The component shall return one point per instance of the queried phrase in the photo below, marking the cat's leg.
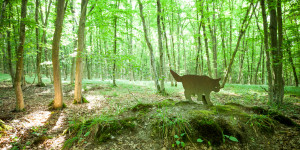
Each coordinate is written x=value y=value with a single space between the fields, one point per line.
x=201 y=98
x=207 y=98
x=188 y=95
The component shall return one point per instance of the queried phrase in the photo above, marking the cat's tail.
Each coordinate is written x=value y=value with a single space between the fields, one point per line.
x=177 y=77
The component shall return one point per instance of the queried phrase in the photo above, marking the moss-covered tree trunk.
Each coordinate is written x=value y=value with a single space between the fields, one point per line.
x=58 y=95
x=20 y=65
x=81 y=40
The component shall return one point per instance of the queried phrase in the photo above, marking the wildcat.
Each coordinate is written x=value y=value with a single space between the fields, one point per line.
x=195 y=84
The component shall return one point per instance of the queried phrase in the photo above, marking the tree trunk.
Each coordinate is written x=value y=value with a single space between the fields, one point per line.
x=244 y=26
x=58 y=95
x=81 y=40
x=161 y=51
x=266 y=43
x=167 y=49
x=149 y=47
x=19 y=66
x=214 y=41
x=240 y=76
x=74 y=23
x=11 y=72
x=115 y=47
x=39 y=50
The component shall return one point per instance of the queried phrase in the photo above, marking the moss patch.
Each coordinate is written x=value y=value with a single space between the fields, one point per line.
x=50 y=105
x=3 y=128
x=141 y=107
x=83 y=100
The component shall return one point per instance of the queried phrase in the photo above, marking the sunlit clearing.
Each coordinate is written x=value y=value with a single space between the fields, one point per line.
x=37 y=118
x=94 y=101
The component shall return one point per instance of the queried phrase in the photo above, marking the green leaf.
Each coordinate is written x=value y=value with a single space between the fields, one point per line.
x=88 y=133
x=199 y=140
x=182 y=134
x=176 y=136
x=182 y=144
x=177 y=142
x=233 y=139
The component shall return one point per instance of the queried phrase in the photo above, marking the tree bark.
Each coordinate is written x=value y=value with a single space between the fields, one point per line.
x=58 y=95
x=167 y=49
x=20 y=65
x=149 y=47
x=266 y=44
x=74 y=23
x=161 y=51
x=39 y=50
x=115 y=47
x=11 y=72
x=81 y=41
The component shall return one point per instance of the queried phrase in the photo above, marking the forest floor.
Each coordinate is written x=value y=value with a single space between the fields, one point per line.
x=40 y=128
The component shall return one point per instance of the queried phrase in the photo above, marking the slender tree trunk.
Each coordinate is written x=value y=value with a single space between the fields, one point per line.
x=161 y=51
x=20 y=65
x=167 y=49
x=240 y=76
x=74 y=23
x=244 y=26
x=81 y=41
x=149 y=47
x=58 y=95
x=39 y=50
x=214 y=41
x=115 y=47
x=266 y=43
x=11 y=72
x=292 y=63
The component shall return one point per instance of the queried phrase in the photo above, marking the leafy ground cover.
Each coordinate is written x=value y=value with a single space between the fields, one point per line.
x=133 y=116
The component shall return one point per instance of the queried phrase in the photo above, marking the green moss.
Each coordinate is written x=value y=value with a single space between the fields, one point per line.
x=3 y=127
x=142 y=107
x=50 y=105
x=165 y=103
x=83 y=100
x=274 y=115
x=201 y=113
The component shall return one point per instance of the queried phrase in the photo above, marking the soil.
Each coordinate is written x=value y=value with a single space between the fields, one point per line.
x=40 y=128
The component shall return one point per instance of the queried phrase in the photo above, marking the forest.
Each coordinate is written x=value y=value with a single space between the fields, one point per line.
x=149 y=74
